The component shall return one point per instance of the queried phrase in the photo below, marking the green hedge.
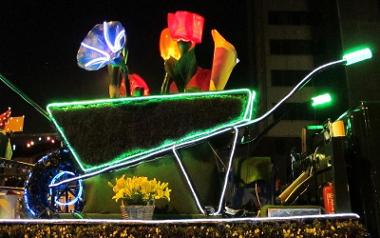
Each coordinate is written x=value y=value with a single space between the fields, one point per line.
x=304 y=229
x=101 y=134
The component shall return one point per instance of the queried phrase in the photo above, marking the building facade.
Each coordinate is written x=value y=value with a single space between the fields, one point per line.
x=292 y=38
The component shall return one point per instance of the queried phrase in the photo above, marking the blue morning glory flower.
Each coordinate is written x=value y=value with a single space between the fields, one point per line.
x=102 y=46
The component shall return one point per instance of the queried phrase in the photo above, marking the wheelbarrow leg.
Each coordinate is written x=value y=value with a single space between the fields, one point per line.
x=199 y=205
x=232 y=153
x=221 y=197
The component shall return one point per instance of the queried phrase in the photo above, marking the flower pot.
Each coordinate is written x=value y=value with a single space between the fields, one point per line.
x=140 y=212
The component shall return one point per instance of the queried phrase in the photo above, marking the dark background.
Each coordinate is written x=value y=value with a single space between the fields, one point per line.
x=39 y=42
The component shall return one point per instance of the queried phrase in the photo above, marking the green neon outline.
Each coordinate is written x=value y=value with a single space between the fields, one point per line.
x=192 y=136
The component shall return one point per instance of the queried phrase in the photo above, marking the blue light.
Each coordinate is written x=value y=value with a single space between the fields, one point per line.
x=43 y=159
x=26 y=196
x=77 y=196
x=102 y=46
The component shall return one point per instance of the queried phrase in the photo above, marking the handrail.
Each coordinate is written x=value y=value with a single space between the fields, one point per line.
x=16 y=162
x=12 y=188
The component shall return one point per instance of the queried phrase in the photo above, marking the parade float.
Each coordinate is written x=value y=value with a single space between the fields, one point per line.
x=165 y=137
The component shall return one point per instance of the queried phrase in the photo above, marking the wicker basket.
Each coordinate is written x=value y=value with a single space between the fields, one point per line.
x=140 y=212
x=123 y=209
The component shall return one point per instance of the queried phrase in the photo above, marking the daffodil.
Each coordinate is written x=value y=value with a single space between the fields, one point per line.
x=140 y=190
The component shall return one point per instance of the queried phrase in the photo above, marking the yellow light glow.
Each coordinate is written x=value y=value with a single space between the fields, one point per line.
x=15 y=124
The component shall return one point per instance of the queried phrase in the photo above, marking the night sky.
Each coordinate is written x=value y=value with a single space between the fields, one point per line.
x=40 y=39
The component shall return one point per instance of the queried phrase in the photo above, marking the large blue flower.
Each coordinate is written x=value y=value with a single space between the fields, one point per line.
x=103 y=45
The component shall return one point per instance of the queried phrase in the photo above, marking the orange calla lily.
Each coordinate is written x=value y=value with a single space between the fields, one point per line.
x=225 y=59
x=168 y=46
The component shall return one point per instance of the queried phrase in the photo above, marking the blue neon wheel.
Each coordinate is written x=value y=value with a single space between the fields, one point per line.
x=42 y=202
x=66 y=194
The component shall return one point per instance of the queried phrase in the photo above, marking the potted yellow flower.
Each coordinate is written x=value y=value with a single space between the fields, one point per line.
x=138 y=195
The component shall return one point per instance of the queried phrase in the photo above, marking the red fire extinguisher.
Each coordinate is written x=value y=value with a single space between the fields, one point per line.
x=328 y=198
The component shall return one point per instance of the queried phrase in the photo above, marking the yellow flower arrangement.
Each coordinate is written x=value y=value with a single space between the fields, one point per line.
x=139 y=190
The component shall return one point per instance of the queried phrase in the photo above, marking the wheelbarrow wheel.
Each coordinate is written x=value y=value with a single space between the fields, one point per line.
x=40 y=201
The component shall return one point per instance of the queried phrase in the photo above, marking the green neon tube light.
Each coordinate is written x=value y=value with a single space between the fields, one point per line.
x=321 y=100
x=314 y=127
x=357 y=56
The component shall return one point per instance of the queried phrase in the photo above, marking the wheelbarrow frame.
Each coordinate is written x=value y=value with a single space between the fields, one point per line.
x=235 y=128
x=173 y=148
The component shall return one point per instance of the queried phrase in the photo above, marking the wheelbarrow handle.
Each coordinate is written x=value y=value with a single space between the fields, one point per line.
x=299 y=86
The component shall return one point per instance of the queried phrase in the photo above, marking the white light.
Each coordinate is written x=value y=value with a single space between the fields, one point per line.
x=106 y=37
x=179 y=221
x=77 y=197
x=188 y=181
x=43 y=158
x=116 y=46
x=97 y=50
x=221 y=198
x=137 y=158
x=304 y=81
x=118 y=38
